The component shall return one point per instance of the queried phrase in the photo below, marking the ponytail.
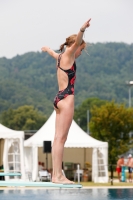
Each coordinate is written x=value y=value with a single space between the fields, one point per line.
x=62 y=47
x=69 y=41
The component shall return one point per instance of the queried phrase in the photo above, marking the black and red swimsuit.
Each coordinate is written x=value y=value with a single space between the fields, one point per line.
x=69 y=90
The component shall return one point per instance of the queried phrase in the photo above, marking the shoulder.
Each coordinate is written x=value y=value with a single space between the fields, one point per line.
x=72 y=49
x=68 y=54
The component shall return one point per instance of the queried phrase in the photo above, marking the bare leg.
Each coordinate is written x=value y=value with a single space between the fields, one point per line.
x=130 y=177
x=64 y=116
x=119 y=176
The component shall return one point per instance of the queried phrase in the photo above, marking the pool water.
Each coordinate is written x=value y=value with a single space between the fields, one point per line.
x=67 y=194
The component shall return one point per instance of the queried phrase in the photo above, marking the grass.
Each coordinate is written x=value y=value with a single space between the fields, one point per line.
x=121 y=184
x=115 y=184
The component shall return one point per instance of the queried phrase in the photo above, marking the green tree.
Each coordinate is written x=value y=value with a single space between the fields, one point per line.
x=30 y=79
x=80 y=115
x=23 y=118
x=112 y=123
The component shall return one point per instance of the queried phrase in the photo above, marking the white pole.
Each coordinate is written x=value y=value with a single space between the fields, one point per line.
x=129 y=83
x=78 y=173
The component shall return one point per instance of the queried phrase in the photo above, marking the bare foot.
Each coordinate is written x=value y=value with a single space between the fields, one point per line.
x=62 y=180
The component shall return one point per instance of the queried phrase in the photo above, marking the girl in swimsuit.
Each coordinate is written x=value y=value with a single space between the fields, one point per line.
x=64 y=99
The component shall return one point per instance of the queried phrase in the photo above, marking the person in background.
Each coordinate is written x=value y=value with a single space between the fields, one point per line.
x=130 y=167
x=39 y=166
x=120 y=163
x=43 y=167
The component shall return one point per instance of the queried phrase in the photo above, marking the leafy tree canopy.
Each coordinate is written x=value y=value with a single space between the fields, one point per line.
x=112 y=123
x=23 y=118
x=30 y=79
x=80 y=115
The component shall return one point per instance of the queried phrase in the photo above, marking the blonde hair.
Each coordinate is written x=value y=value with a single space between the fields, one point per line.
x=69 y=41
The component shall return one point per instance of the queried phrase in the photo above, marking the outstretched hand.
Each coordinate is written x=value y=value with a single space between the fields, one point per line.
x=44 y=48
x=86 y=24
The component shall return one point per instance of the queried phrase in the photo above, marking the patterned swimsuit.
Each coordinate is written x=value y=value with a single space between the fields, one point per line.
x=69 y=90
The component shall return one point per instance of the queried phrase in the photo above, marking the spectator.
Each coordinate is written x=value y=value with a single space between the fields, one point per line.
x=43 y=167
x=120 y=163
x=39 y=166
x=130 y=167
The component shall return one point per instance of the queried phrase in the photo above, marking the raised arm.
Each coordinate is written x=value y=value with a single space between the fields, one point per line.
x=78 y=40
x=50 y=52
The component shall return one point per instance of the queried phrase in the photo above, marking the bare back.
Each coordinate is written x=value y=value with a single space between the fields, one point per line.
x=66 y=62
x=120 y=162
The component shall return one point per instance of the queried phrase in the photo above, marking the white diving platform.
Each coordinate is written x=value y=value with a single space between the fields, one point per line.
x=9 y=174
x=20 y=183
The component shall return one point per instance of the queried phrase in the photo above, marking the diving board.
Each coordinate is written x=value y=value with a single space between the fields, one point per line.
x=9 y=174
x=38 y=184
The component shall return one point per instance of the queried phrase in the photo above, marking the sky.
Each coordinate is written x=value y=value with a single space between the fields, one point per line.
x=27 y=25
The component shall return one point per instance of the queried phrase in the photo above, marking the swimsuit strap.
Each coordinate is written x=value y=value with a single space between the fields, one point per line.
x=58 y=65
x=59 y=58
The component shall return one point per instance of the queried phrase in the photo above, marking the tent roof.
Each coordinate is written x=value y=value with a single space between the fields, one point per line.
x=76 y=137
x=9 y=133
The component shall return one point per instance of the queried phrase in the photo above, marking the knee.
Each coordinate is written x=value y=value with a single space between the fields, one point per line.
x=60 y=139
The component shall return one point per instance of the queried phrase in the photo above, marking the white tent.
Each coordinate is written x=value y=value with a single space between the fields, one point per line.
x=13 y=156
x=77 y=138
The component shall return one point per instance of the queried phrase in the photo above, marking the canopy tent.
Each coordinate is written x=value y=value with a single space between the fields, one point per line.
x=77 y=138
x=13 y=155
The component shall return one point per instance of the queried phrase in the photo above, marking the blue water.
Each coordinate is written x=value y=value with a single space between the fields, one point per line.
x=67 y=194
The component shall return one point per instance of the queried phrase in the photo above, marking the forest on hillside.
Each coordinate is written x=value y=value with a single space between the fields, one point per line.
x=30 y=79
